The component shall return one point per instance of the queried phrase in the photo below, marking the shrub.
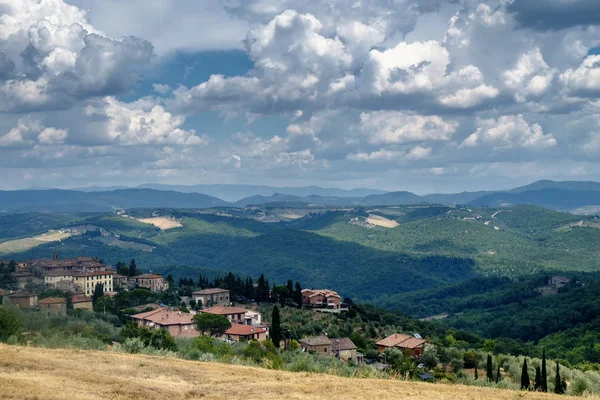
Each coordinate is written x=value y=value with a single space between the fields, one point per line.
x=133 y=345
x=10 y=323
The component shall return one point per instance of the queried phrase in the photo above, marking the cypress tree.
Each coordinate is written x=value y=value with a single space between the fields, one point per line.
x=298 y=294
x=276 y=327
x=544 y=378
x=498 y=376
x=476 y=373
x=558 y=383
x=489 y=369
x=132 y=268
x=525 y=376
x=537 y=383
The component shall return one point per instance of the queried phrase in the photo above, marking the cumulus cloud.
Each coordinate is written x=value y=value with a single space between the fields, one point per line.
x=30 y=132
x=530 y=77
x=143 y=123
x=398 y=127
x=51 y=56
x=584 y=80
x=510 y=132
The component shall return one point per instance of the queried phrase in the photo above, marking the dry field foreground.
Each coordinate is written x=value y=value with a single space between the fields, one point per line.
x=34 y=373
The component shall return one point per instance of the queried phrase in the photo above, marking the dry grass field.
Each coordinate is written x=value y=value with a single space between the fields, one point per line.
x=35 y=373
x=19 y=245
x=163 y=223
x=381 y=221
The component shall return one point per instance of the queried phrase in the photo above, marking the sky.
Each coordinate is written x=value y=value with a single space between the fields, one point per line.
x=420 y=95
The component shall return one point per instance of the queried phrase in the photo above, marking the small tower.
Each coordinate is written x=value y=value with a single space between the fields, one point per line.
x=55 y=256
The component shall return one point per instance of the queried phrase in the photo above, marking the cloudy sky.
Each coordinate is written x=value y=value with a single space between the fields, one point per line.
x=420 y=95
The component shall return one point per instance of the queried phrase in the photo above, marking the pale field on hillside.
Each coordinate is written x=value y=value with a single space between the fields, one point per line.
x=19 y=245
x=35 y=373
x=381 y=221
x=163 y=223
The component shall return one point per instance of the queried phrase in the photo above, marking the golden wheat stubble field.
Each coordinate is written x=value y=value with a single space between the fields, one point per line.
x=34 y=373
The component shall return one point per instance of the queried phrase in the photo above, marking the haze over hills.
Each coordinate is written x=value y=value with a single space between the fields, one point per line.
x=582 y=197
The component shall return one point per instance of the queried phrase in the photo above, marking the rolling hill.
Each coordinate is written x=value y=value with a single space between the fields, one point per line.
x=63 y=373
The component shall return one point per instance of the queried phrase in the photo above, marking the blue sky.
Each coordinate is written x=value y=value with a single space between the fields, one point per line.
x=426 y=96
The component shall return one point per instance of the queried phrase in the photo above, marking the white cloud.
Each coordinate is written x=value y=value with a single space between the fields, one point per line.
x=53 y=136
x=30 y=132
x=419 y=153
x=399 y=127
x=143 y=123
x=53 y=56
x=379 y=155
x=584 y=80
x=510 y=132
x=530 y=77
x=593 y=146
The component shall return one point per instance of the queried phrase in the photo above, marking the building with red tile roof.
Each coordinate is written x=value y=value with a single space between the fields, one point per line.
x=177 y=323
x=403 y=342
x=239 y=332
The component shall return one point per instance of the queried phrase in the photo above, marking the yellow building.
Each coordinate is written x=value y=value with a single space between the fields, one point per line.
x=87 y=281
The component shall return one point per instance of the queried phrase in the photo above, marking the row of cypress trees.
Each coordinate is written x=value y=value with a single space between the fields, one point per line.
x=540 y=383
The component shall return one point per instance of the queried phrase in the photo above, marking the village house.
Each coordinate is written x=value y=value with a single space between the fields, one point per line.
x=212 y=297
x=82 y=303
x=23 y=299
x=321 y=298
x=53 y=306
x=345 y=349
x=176 y=323
x=412 y=344
x=342 y=348
x=154 y=282
x=234 y=314
x=120 y=282
x=23 y=277
x=87 y=281
x=52 y=278
x=253 y=318
x=316 y=344
x=239 y=332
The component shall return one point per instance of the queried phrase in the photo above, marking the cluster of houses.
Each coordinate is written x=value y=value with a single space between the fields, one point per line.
x=323 y=300
x=245 y=324
x=78 y=276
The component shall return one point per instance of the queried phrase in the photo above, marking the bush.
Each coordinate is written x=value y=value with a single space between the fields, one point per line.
x=10 y=323
x=133 y=345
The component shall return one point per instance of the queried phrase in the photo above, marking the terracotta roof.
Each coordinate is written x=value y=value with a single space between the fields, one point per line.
x=22 y=295
x=316 y=341
x=411 y=343
x=393 y=340
x=211 y=291
x=53 y=300
x=401 y=341
x=95 y=273
x=342 y=344
x=85 y=259
x=147 y=276
x=117 y=276
x=163 y=316
x=81 y=299
x=59 y=273
x=21 y=274
x=243 y=330
x=220 y=310
x=321 y=292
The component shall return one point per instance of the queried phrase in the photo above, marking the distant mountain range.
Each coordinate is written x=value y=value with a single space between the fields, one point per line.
x=564 y=196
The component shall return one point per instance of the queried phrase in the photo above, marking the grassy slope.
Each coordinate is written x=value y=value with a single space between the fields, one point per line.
x=66 y=374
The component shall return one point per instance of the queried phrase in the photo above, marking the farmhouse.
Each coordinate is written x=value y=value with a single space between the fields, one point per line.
x=82 y=303
x=23 y=277
x=414 y=345
x=317 y=344
x=234 y=314
x=212 y=297
x=154 y=282
x=239 y=332
x=23 y=299
x=175 y=322
x=321 y=297
x=53 y=305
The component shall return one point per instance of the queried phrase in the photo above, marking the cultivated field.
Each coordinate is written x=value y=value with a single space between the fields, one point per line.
x=19 y=245
x=381 y=221
x=163 y=223
x=34 y=373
